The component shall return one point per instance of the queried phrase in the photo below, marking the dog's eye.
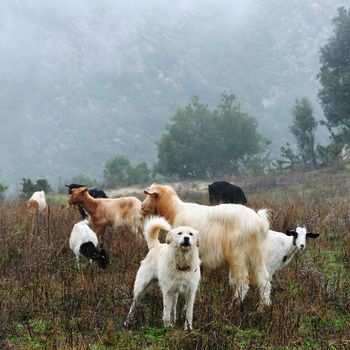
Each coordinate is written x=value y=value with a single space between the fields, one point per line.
x=180 y=233
x=191 y=234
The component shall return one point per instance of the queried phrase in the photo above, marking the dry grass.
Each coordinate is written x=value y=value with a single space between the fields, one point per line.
x=46 y=303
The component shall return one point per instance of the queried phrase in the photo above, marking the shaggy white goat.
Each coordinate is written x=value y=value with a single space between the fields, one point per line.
x=83 y=241
x=281 y=247
x=228 y=233
x=37 y=202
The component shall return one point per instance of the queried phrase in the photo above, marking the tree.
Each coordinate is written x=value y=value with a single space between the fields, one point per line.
x=328 y=154
x=116 y=171
x=3 y=188
x=334 y=77
x=84 y=180
x=183 y=140
x=140 y=174
x=303 y=128
x=289 y=159
x=28 y=187
x=119 y=172
x=198 y=142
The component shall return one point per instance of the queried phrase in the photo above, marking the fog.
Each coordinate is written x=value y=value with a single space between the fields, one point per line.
x=83 y=81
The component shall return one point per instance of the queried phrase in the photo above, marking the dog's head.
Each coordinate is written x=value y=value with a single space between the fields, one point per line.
x=77 y=195
x=183 y=237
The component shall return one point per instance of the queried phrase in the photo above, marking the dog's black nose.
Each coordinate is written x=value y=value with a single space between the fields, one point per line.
x=187 y=239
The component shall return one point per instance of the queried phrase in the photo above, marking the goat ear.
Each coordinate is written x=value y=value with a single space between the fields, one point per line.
x=85 y=189
x=290 y=233
x=312 y=235
x=152 y=194
x=169 y=238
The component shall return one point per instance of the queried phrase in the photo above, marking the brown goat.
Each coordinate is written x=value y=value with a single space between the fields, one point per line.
x=104 y=212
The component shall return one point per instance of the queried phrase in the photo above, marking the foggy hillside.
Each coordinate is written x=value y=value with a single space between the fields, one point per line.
x=83 y=81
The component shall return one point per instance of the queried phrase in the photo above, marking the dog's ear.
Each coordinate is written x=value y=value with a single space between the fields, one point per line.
x=152 y=194
x=169 y=238
x=197 y=242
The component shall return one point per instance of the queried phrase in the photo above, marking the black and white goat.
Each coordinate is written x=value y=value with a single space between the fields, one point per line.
x=93 y=192
x=83 y=242
x=281 y=247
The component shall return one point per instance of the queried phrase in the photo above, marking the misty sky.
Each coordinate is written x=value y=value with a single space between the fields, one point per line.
x=86 y=80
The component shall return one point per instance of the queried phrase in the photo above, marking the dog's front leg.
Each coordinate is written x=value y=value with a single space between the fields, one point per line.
x=190 y=296
x=173 y=311
x=168 y=300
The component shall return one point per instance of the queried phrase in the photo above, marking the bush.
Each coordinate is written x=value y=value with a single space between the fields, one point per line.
x=29 y=187
x=119 y=172
x=3 y=188
x=84 y=180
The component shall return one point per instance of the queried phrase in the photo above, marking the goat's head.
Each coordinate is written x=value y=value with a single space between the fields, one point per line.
x=33 y=206
x=300 y=235
x=77 y=195
x=102 y=259
x=71 y=186
x=149 y=205
x=157 y=196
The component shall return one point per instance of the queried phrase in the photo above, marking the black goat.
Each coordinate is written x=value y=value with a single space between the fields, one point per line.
x=224 y=192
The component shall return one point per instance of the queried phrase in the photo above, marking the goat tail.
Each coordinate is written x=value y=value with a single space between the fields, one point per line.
x=265 y=215
x=152 y=227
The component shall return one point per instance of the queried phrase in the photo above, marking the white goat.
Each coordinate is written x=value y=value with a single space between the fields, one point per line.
x=83 y=241
x=228 y=233
x=281 y=247
x=37 y=202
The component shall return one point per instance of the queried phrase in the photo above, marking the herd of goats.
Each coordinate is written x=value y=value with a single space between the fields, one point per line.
x=225 y=232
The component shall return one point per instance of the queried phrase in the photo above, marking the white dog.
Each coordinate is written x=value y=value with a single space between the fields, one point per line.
x=174 y=264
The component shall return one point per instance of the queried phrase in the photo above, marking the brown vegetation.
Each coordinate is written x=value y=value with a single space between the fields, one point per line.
x=45 y=302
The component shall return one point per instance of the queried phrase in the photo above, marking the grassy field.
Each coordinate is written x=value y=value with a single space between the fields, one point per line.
x=46 y=303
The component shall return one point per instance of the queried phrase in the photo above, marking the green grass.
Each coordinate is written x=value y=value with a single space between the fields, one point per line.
x=57 y=198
